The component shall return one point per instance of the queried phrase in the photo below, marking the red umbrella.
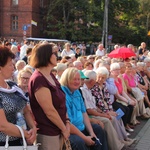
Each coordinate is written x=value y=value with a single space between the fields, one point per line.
x=122 y=52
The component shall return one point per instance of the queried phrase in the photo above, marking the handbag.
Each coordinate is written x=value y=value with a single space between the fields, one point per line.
x=137 y=93
x=66 y=145
x=24 y=147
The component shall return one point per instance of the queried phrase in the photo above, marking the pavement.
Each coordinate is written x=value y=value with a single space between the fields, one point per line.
x=142 y=135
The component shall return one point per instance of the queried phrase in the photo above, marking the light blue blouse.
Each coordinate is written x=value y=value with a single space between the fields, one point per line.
x=75 y=107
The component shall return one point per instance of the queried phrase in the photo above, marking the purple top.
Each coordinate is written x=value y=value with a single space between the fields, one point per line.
x=46 y=127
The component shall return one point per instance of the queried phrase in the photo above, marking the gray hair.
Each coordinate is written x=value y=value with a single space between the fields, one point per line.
x=19 y=62
x=116 y=46
x=140 y=64
x=147 y=59
x=76 y=63
x=102 y=71
x=134 y=66
x=61 y=66
x=103 y=63
x=114 y=66
x=90 y=74
x=130 y=46
x=96 y=63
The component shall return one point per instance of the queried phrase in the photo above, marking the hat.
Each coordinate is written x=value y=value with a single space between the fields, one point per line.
x=82 y=75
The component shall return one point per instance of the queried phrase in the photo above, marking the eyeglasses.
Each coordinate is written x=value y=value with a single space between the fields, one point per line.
x=25 y=78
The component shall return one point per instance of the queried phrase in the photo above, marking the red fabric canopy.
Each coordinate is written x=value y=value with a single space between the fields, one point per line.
x=122 y=52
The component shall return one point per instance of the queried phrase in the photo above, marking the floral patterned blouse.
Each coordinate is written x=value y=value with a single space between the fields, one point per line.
x=102 y=97
x=140 y=78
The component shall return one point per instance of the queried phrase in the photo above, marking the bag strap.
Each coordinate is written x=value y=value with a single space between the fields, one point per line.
x=23 y=138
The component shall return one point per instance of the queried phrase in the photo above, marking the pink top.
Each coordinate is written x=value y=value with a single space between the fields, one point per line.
x=131 y=80
x=119 y=85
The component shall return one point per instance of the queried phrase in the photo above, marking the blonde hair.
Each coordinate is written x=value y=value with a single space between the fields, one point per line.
x=67 y=75
x=67 y=44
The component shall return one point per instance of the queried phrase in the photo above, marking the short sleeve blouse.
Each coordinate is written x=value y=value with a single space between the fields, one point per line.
x=46 y=126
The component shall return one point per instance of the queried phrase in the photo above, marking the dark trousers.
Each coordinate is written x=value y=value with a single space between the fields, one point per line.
x=78 y=143
x=127 y=111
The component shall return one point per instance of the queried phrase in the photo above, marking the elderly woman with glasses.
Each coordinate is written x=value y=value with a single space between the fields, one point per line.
x=104 y=103
x=132 y=87
x=23 y=80
x=123 y=101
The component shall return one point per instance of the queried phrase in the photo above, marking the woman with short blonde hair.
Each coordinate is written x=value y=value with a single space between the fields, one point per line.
x=81 y=130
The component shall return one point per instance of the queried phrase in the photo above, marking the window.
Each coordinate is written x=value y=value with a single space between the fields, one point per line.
x=14 y=22
x=14 y=2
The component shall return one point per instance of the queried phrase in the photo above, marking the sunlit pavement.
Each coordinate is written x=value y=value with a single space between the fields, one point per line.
x=142 y=135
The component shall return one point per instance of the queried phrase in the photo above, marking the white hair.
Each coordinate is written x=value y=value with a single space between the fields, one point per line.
x=19 y=62
x=103 y=63
x=102 y=71
x=61 y=66
x=140 y=64
x=76 y=63
x=116 y=46
x=14 y=49
x=96 y=63
x=90 y=74
x=147 y=59
x=130 y=46
x=133 y=66
x=114 y=66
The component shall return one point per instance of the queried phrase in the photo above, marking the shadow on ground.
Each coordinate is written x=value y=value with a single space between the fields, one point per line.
x=137 y=129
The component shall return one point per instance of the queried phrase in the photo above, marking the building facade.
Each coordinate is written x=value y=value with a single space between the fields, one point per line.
x=20 y=19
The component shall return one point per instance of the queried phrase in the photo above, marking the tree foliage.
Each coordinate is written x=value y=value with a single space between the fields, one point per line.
x=83 y=20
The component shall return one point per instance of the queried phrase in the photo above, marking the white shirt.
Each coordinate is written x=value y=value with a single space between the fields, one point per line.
x=89 y=99
x=23 y=50
x=66 y=53
x=99 y=52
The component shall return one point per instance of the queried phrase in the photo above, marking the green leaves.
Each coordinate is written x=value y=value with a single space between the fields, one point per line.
x=78 y=20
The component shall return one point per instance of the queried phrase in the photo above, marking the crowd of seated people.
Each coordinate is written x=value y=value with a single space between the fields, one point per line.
x=90 y=89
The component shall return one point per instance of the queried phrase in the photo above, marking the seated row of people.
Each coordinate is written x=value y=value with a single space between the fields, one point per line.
x=64 y=109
